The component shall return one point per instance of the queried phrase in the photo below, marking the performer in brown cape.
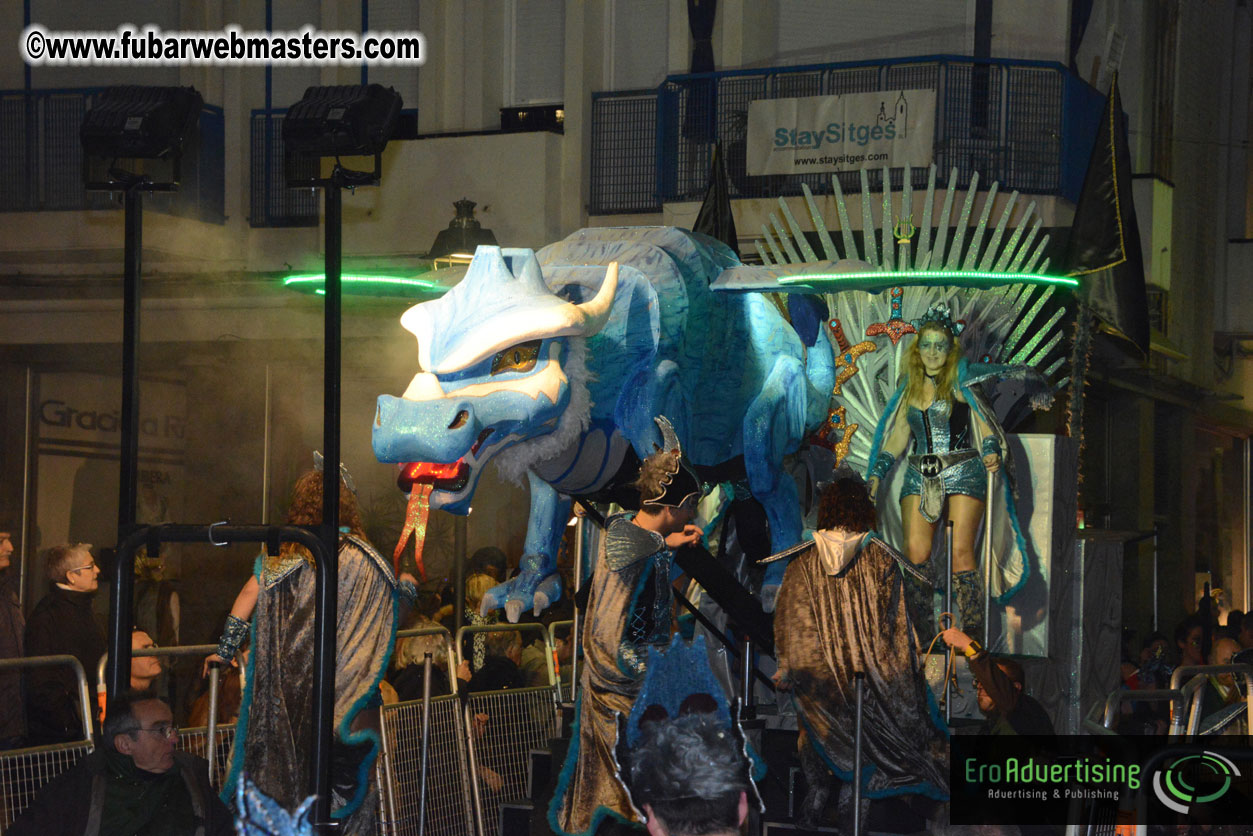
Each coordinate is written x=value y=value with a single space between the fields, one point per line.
x=841 y=610
x=274 y=734
x=629 y=609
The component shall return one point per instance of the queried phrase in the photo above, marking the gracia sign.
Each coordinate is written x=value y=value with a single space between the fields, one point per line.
x=819 y=134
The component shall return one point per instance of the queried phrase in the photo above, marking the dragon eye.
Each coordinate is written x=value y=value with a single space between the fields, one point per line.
x=518 y=358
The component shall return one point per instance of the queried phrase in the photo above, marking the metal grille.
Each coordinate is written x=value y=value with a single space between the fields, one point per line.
x=1000 y=118
x=24 y=772
x=272 y=202
x=624 y=143
x=1033 y=129
x=517 y=722
x=448 y=811
x=41 y=158
x=196 y=742
x=15 y=164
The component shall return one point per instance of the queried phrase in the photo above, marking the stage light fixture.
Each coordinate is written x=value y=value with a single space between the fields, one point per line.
x=463 y=235
x=347 y=121
x=137 y=122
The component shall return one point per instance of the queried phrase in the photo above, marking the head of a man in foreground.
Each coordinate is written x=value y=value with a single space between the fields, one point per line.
x=690 y=777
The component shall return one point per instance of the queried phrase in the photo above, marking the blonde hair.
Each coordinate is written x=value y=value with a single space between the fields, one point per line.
x=477 y=586
x=916 y=375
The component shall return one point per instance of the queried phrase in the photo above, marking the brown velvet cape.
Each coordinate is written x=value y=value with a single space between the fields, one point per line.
x=827 y=627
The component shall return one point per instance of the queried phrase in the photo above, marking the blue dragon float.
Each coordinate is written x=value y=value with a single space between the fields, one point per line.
x=554 y=364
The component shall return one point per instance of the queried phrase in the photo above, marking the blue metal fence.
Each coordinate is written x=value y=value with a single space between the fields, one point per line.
x=272 y=202
x=41 y=158
x=1027 y=124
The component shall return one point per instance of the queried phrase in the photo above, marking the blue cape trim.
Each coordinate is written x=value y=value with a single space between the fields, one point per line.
x=366 y=735
x=567 y=775
x=245 y=704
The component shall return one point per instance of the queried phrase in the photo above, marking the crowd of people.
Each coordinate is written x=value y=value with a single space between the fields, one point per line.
x=844 y=604
x=1199 y=639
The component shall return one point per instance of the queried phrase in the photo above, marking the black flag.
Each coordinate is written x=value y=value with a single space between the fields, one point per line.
x=715 y=218
x=1104 y=247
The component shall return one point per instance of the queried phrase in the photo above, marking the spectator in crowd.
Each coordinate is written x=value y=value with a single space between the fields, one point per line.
x=1222 y=687
x=12 y=639
x=691 y=777
x=62 y=622
x=407 y=670
x=1189 y=636
x=144 y=669
x=1231 y=629
x=500 y=665
x=1245 y=636
x=490 y=561
x=999 y=690
x=133 y=783
x=477 y=586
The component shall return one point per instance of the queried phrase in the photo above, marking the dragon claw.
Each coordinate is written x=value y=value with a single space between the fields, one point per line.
x=535 y=587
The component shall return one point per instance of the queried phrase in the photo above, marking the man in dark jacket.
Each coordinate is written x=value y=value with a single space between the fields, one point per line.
x=134 y=783
x=999 y=687
x=62 y=623
x=12 y=630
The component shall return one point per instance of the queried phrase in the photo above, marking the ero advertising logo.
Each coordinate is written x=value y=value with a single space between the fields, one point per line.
x=1194 y=780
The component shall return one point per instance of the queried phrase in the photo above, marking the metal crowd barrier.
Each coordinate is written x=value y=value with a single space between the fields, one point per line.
x=447 y=803
x=24 y=772
x=216 y=749
x=1194 y=714
x=571 y=685
x=518 y=720
x=445 y=800
x=1185 y=699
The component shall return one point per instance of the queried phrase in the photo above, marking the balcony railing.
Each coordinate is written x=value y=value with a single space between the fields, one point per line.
x=1027 y=124
x=41 y=159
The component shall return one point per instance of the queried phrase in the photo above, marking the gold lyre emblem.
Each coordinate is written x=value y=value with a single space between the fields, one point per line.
x=904 y=229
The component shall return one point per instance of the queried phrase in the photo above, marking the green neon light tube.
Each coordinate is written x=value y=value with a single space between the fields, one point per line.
x=317 y=281
x=906 y=277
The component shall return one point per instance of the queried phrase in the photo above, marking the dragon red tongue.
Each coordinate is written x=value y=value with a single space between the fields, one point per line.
x=428 y=472
x=416 y=516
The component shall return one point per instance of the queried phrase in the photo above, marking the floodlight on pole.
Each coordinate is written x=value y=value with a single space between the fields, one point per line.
x=333 y=122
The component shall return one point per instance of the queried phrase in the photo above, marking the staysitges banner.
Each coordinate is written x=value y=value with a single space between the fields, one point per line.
x=819 y=134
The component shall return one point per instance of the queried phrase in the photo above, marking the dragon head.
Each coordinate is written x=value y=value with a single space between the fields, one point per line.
x=500 y=358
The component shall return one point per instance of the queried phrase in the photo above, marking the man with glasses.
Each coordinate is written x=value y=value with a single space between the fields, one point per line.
x=999 y=690
x=62 y=622
x=134 y=783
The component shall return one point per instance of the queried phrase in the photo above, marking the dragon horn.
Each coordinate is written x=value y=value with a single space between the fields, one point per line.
x=595 y=312
x=669 y=441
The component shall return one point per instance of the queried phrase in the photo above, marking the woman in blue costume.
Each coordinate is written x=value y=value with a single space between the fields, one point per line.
x=274 y=736
x=956 y=441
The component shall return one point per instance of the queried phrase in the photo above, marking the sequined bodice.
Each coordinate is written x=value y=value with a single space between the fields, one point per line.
x=942 y=427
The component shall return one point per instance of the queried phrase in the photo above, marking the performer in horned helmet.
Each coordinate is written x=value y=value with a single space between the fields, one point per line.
x=628 y=611
x=956 y=440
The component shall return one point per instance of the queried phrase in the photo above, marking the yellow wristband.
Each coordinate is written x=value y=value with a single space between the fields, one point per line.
x=972 y=649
